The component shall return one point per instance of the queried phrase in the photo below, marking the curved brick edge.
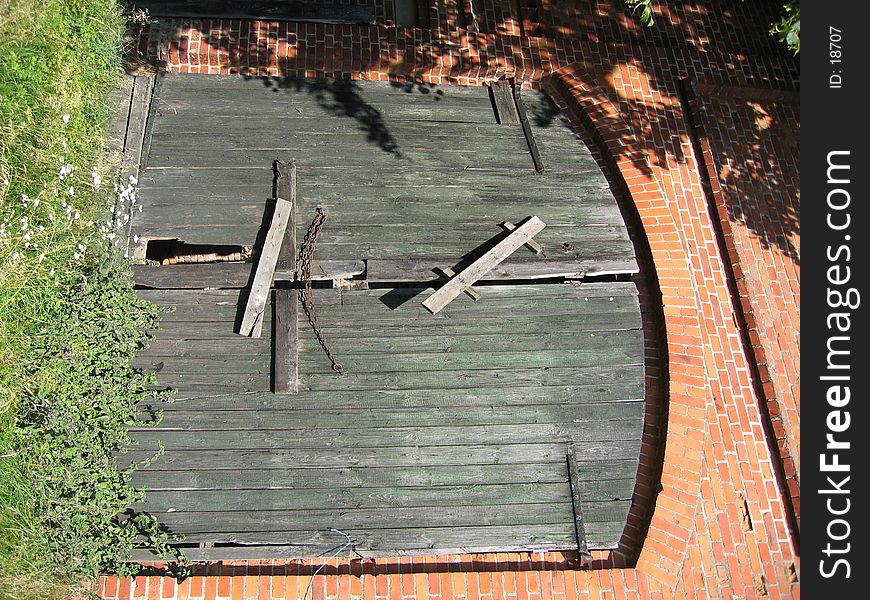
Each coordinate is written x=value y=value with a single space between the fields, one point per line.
x=706 y=366
x=757 y=353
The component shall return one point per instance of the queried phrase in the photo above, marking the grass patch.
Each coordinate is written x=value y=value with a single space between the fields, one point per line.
x=69 y=318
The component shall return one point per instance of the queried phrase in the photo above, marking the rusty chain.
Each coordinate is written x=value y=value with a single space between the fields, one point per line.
x=306 y=295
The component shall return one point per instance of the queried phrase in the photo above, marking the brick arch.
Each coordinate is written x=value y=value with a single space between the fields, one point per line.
x=592 y=113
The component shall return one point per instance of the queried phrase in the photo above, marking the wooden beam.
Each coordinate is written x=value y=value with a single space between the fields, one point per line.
x=527 y=130
x=285 y=343
x=252 y=321
x=483 y=265
x=505 y=106
x=285 y=188
x=531 y=244
x=470 y=291
x=574 y=482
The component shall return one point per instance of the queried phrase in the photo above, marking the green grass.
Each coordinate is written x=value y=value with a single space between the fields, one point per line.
x=69 y=319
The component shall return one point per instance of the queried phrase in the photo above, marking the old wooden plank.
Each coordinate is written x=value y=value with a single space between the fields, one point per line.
x=309 y=132
x=469 y=291
x=443 y=435
x=390 y=308
x=483 y=265
x=629 y=351
x=286 y=342
x=381 y=517
x=531 y=244
x=398 y=345
x=505 y=108
x=579 y=518
x=363 y=156
x=218 y=500
x=527 y=130
x=140 y=101
x=370 y=217
x=385 y=542
x=367 y=518
x=385 y=270
x=117 y=130
x=396 y=417
x=355 y=243
x=591 y=292
x=423 y=476
x=232 y=275
x=626 y=350
x=326 y=457
x=356 y=182
x=252 y=322
x=615 y=389
x=272 y=10
x=285 y=188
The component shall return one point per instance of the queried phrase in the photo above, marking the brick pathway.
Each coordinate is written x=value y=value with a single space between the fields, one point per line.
x=696 y=125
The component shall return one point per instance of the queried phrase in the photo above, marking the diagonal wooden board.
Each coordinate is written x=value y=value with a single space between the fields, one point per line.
x=252 y=322
x=483 y=265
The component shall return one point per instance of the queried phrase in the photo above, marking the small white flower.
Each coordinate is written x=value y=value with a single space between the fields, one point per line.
x=70 y=191
x=132 y=179
x=51 y=216
x=5 y=183
x=40 y=229
x=81 y=247
x=15 y=256
x=51 y=273
x=65 y=117
x=27 y=244
x=76 y=256
x=76 y=216
x=139 y=208
x=24 y=199
x=135 y=239
x=27 y=236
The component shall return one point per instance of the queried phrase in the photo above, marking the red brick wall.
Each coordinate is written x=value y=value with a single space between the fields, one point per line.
x=710 y=518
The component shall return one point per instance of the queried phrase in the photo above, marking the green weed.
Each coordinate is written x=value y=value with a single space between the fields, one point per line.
x=69 y=318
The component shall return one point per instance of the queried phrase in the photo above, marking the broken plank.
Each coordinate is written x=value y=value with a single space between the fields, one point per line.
x=505 y=107
x=252 y=322
x=483 y=265
x=527 y=131
x=285 y=353
x=575 y=486
x=387 y=270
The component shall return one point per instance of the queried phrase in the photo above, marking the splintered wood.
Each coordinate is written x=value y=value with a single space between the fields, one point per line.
x=483 y=265
x=252 y=322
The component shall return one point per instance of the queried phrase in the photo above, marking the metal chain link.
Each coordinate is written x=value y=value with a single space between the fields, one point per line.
x=306 y=295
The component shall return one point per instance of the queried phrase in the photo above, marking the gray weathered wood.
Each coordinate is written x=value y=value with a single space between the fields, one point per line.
x=469 y=291
x=252 y=322
x=286 y=342
x=531 y=244
x=483 y=265
x=420 y=270
x=233 y=275
x=527 y=130
x=505 y=108
x=285 y=188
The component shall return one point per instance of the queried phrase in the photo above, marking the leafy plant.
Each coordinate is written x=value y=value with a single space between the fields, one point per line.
x=788 y=29
x=70 y=320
